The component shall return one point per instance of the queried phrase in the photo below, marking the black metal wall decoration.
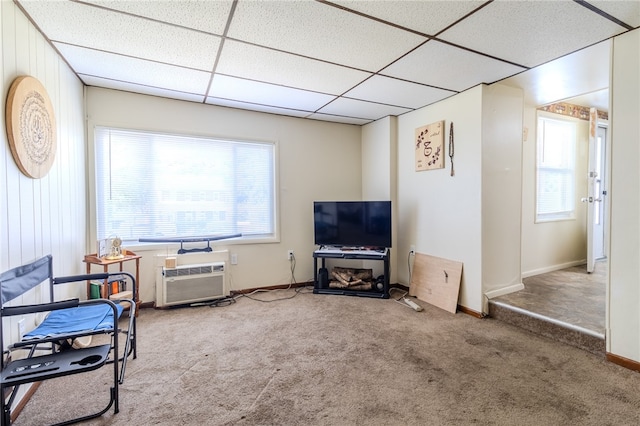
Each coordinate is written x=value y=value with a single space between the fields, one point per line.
x=451 y=147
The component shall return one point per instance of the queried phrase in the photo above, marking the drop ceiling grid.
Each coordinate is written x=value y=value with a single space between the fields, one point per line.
x=427 y=17
x=444 y=66
x=321 y=31
x=271 y=66
x=126 y=35
x=133 y=70
x=208 y=16
x=392 y=91
x=528 y=34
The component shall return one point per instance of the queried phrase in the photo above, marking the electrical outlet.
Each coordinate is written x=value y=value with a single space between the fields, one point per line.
x=289 y=254
x=21 y=330
x=412 y=250
x=234 y=258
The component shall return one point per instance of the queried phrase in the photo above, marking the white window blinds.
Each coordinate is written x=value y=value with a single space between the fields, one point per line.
x=555 y=195
x=151 y=185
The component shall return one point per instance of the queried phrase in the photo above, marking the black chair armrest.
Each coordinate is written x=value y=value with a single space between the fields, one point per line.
x=41 y=307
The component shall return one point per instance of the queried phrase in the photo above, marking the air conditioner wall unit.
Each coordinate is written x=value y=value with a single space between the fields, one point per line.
x=186 y=284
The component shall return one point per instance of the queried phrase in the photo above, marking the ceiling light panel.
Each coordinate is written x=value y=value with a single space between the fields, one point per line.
x=203 y=15
x=137 y=88
x=427 y=17
x=321 y=31
x=361 y=109
x=530 y=33
x=392 y=91
x=77 y=24
x=448 y=67
x=258 y=63
x=133 y=70
x=266 y=94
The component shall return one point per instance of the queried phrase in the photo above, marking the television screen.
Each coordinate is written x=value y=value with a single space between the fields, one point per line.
x=352 y=223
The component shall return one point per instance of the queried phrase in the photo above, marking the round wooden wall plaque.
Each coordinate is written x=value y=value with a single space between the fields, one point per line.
x=31 y=126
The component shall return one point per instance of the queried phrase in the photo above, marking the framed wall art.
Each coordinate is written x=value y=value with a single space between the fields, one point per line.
x=31 y=126
x=429 y=146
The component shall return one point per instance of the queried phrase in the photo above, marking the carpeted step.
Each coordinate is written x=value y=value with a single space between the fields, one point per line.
x=566 y=333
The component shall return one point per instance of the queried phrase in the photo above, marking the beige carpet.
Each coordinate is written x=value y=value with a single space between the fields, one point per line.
x=337 y=360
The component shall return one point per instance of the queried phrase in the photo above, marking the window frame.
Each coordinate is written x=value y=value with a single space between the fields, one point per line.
x=566 y=215
x=134 y=244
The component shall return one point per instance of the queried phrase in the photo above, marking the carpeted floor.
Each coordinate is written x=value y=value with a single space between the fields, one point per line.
x=337 y=360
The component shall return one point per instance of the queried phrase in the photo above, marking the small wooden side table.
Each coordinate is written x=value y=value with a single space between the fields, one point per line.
x=93 y=259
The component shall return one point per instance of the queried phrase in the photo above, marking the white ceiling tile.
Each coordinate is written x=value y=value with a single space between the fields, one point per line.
x=136 y=71
x=137 y=88
x=392 y=91
x=531 y=32
x=339 y=119
x=321 y=31
x=266 y=94
x=584 y=71
x=626 y=11
x=256 y=107
x=258 y=63
x=203 y=15
x=427 y=17
x=448 y=67
x=361 y=109
x=77 y=24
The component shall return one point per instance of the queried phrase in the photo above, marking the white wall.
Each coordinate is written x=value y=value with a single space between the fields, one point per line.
x=379 y=176
x=623 y=325
x=439 y=214
x=310 y=153
x=47 y=215
x=501 y=188
x=549 y=246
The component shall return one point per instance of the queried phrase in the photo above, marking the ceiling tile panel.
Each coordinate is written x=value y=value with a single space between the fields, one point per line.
x=203 y=15
x=138 y=88
x=531 y=32
x=266 y=94
x=392 y=91
x=448 y=67
x=136 y=71
x=124 y=34
x=427 y=17
x=366 y=110
x=321 y=31
x=256 y=107
x=339 y=119
x=626 y=11
x=258 y=63
x=552 y=81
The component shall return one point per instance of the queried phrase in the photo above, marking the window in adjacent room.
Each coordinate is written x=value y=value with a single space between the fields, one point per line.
x=555 y=169
x=152 y=185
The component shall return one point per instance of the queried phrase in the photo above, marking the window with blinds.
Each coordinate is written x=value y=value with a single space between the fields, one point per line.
x=555 y=169
x=152 y=185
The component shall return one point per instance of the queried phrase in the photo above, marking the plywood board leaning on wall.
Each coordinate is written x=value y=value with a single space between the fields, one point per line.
x=436 y=281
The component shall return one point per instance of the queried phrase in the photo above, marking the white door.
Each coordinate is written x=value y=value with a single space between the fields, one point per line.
x=597 y=191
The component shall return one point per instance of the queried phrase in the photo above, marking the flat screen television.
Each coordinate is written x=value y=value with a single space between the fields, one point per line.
x=364 y=224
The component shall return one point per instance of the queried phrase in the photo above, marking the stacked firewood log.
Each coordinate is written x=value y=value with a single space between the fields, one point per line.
x=351 y=278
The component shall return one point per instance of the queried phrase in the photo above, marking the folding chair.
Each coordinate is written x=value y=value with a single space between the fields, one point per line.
x=57 y=346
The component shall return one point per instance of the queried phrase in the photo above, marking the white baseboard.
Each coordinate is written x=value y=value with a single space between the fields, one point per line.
x=505 y=290
x=553 y=268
